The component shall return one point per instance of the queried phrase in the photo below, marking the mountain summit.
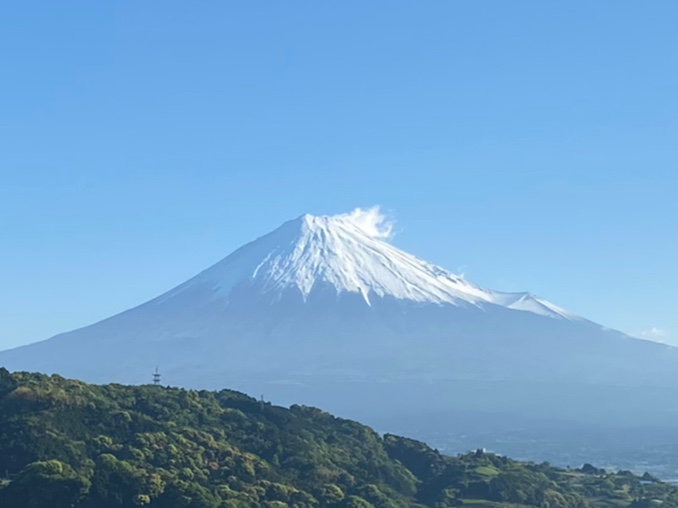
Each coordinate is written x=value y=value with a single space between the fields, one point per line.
x=325 y=310
x=347 y=253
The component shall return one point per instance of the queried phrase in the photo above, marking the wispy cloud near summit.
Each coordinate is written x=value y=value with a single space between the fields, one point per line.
x=656 y=334
x=372 y=221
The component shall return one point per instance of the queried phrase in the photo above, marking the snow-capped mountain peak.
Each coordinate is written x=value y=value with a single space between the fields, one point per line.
x=350 y=253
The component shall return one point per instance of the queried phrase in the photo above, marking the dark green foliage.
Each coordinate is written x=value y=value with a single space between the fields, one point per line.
x=589 y=469
x=70 y=444
x=45 y=484
x=7 y=382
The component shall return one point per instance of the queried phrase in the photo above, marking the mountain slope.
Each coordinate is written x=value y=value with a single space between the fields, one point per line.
x=323 y=307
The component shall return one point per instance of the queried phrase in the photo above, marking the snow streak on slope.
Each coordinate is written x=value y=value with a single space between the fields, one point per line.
x=349 y=253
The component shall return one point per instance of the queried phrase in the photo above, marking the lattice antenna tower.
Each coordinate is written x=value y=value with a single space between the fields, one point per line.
x=156 y=377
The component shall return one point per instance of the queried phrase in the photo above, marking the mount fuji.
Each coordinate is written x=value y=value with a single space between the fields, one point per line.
x=324 y=310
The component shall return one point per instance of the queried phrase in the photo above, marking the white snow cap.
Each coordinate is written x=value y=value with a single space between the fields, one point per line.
x=349 y=252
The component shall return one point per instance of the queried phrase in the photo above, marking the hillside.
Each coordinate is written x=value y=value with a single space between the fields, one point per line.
x=65 y=443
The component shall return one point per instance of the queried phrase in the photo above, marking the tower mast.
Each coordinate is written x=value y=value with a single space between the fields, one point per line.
x=156 y=377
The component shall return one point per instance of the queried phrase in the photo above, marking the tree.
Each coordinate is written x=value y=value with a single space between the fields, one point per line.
x=116 y=483
x=50 y=484
x=7 y=382
x=357 y=502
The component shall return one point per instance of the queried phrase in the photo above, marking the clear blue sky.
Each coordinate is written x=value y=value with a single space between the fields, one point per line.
x=532 y=145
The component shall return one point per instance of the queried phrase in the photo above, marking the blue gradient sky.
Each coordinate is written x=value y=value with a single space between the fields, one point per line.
x=530 y=145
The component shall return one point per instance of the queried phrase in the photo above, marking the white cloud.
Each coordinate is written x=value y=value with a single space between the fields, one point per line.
x=656 y=334
x=372 y=221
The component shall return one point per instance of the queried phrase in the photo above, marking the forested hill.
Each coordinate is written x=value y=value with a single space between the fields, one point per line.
x=65 y=444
